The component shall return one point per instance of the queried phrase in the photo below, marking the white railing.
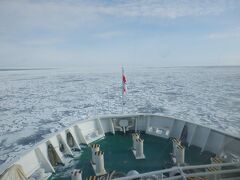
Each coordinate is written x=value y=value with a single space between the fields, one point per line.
x=200 y=171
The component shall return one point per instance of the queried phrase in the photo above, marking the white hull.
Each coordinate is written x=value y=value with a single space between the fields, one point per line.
x=87 y=131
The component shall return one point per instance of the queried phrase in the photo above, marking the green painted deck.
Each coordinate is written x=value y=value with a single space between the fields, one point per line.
x=119 y=157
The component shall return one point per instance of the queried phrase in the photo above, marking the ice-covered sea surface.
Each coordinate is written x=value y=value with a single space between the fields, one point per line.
x=34 y=103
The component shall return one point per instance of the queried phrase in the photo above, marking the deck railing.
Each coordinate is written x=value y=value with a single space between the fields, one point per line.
x=227 y=171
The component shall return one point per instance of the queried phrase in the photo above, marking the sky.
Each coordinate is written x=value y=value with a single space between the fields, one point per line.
x=58 y=33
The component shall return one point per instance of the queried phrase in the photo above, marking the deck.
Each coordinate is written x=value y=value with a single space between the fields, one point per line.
x=119 y=157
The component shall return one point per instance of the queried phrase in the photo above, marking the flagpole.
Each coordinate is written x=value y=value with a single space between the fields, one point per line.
x=122 y=90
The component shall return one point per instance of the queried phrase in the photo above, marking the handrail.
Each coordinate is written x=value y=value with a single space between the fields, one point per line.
x=215 y=172
x=184 y=175
x=210 y=165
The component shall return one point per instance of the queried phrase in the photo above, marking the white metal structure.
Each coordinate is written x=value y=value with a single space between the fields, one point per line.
x=87 y=131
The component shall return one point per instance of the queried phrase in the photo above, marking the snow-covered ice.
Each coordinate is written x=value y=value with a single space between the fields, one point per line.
x=34 y=103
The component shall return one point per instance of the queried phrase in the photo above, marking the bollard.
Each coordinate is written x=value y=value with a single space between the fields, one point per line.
x=76 y=174
x=215 y=160
x=139 y=147
x=100 y=170
x=92 y=178
x=95 y=148
x=180 y=154
x=175 y=144
x=134 y=137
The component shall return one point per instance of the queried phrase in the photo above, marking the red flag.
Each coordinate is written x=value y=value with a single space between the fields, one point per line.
x=124 y=81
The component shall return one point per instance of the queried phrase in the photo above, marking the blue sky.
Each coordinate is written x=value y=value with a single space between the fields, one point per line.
x=119 y=32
